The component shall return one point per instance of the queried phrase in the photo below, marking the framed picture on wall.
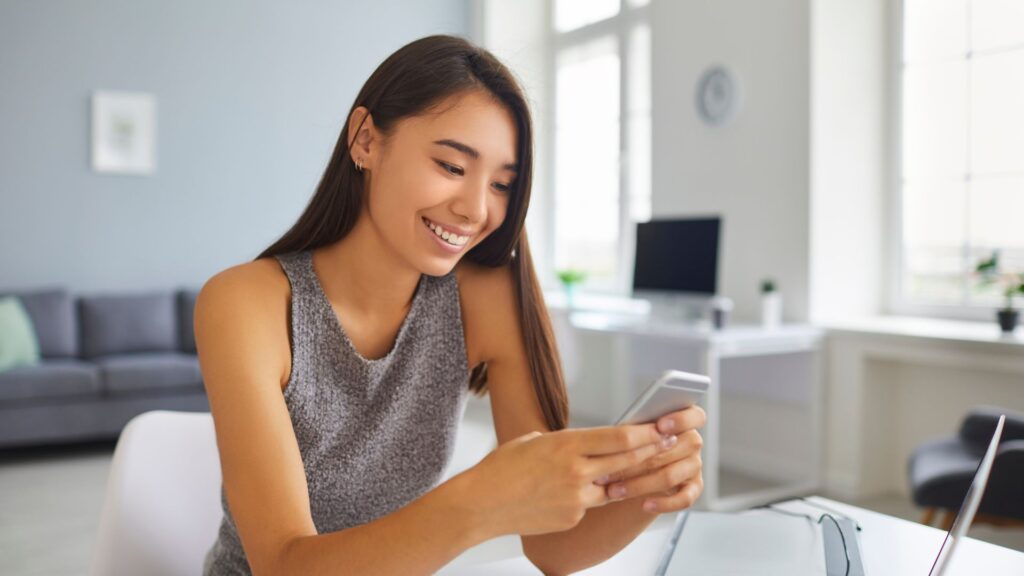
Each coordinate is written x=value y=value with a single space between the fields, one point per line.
x=123 y=132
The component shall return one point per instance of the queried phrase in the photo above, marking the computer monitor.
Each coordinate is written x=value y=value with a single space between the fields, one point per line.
x=677 y=258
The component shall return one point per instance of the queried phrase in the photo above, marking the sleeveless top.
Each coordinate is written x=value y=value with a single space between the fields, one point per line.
x=374 y=434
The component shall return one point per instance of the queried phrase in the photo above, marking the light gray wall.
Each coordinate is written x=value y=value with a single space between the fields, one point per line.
x=251 y=97
x=754 y=171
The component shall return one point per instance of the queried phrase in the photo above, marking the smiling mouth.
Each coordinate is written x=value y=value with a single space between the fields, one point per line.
x=452 y=239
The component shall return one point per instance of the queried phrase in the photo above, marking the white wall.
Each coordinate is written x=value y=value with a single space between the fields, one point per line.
x=850 y=151
x=754 y=171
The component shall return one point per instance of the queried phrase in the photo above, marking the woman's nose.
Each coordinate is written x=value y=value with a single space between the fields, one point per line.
x=472 y=203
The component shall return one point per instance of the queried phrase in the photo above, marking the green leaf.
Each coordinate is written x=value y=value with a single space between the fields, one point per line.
x=570 y=276
x=989 y=265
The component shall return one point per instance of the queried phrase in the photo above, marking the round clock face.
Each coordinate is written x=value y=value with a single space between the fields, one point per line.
x=716 y=96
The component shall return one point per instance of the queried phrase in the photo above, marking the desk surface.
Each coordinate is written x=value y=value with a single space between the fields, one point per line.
x=679 y=328
x=888 y=545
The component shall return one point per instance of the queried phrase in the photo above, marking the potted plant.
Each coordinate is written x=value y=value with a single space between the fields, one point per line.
x=771 y=304
x=570 y=278
x=1012 y=285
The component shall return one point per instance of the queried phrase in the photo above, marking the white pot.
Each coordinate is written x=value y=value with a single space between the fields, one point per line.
x=771 y=309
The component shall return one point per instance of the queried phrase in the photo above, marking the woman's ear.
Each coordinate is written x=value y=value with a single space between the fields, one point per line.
x=361 y=136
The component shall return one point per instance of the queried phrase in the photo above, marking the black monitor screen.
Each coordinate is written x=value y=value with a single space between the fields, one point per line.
x=677 y=255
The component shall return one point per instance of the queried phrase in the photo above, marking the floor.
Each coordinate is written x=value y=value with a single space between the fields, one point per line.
x=50 y=502
x=49 y=508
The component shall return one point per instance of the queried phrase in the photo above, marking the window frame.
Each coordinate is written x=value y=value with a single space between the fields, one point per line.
x=896 y=300
x=620 y=27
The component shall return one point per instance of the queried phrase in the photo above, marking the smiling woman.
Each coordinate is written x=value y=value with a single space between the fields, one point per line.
x=338 y=362
x=403 y=103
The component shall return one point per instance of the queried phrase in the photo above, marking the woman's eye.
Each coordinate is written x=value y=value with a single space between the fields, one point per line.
x=451 y=169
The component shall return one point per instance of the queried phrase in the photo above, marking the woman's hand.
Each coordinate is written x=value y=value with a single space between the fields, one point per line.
x=673 y=476
x=545 y=482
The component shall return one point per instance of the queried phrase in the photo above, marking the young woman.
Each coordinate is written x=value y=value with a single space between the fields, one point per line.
x=338 y=362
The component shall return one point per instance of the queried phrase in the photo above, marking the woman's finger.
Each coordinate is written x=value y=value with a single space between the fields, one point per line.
x=682 y=420
x=657 y=481
x=604 y=466
x=684 y=498
x=613 y=439
x=688 y=444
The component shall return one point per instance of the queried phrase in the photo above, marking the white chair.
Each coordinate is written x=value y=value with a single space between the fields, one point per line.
x=162 y=506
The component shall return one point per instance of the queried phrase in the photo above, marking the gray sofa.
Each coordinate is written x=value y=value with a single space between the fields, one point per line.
x=104 y=359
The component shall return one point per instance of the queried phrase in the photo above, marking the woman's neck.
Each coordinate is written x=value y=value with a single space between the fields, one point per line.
x=361 y=274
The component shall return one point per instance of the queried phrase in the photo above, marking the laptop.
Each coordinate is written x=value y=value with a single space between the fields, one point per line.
x=788 y=544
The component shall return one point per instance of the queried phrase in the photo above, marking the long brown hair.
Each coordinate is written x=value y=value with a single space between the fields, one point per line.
x=409 y=82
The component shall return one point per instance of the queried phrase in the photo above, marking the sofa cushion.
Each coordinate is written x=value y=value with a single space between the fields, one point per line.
x=128 y=323
x=186 y=309
x=148 y=371
x=48 y=379
x=18 y=343
x=53 y=317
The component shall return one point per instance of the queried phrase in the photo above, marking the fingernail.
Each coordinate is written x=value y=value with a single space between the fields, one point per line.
x=667 y=425
x=650 y=506
x=668 y=441
x=617 y=491
x=602 y=480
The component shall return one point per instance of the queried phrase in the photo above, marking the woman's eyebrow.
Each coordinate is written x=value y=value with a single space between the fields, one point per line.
x=469 y=151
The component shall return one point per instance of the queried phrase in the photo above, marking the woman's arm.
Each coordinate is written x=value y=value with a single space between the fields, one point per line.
x=603 y=531
x=419 y=538
x=601 y=534
x=490 y=313
x=240 y=325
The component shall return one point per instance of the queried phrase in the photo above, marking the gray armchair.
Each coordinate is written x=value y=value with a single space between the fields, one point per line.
x=941 y=470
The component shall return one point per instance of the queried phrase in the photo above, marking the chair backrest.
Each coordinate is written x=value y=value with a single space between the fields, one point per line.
x=162 y=506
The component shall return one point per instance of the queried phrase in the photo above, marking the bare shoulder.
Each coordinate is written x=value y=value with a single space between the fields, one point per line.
x=488 y=308
x=255 y=296
x=255 y=279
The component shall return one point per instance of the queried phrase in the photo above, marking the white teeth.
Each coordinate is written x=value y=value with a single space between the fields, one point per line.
x=453 y=239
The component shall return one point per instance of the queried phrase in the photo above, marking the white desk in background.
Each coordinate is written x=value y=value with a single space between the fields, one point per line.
x=764 y=407
x=888 y=546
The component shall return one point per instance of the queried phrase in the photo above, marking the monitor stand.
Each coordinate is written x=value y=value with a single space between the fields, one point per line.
x=676 y=307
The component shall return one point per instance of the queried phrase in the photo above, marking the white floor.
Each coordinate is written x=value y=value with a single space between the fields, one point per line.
x=50 y=502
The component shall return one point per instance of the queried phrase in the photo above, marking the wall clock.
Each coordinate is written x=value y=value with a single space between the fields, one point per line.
x=717 y=96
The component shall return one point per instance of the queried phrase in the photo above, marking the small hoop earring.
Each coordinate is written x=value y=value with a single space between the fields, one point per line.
x=359 y=165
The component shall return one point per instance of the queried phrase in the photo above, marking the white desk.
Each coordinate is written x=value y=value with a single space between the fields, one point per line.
x=771 y=379
x=888 y=545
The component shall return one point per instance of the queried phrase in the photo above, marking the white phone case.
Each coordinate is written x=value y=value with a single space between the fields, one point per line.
x=672 y=391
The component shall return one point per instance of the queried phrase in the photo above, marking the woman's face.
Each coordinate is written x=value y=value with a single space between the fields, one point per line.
x=452 y=168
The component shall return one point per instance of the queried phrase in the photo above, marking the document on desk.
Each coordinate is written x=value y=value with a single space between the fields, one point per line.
x=762 y=542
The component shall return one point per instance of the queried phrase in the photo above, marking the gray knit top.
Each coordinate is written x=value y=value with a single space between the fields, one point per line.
x=374 y=434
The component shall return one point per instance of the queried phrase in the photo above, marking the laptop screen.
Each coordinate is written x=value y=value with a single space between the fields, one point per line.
x=970 y=504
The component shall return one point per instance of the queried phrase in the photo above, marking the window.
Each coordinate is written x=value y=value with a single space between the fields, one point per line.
x=602 y=136
x=961 y=175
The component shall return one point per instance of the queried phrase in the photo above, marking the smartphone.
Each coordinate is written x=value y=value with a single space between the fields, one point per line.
x=672 y=391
